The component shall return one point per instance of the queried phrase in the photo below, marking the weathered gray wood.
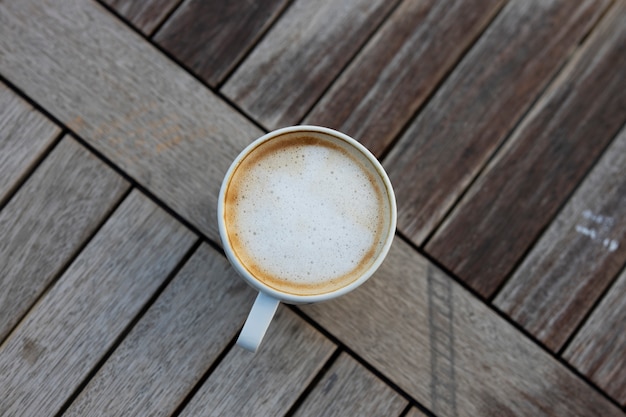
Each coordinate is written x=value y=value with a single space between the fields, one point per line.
x=25 y=134
x=300 y=56
x=61 y=339
x=599 y=349
x=116 y=91
x=145 y=15
x=48 y=220
x=266 y=383
x=399 y=68
x=174 y=343
x=479 y=104
x=448 y=350
x=547 y=156
x=211 y=36
x=348 y=389
x=576 y=258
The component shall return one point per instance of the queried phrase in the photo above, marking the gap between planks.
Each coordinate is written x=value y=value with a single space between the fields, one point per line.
x=130 y=326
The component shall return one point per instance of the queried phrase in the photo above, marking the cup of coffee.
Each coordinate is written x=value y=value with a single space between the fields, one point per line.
x=305 y=214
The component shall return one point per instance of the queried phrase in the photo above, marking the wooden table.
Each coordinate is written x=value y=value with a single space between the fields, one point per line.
x=501 y=125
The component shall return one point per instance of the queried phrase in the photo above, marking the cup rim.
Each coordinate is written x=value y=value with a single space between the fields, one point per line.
x=289 y=297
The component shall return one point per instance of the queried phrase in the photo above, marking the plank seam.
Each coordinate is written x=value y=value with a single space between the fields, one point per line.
x=201 y=381
x=406 y=410
x=341 y=345
x=129 y=327
x=34 y=166
x=180 y=64
x=541 y=232
x=352 y=58
x=161 y=23
x=545 y=228
x=314 y=382
x=591 y=310
x=438 y=84
x=252 y=46
x=68 y=263
x=507 y=136
x=134 y=183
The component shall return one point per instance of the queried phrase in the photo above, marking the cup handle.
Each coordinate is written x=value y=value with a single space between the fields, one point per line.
x=257 y=322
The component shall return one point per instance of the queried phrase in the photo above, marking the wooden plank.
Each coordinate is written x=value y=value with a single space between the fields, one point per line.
x=47 y=222
x=598 y=349
x=173 y=345
x=266 y=383
x=211 y=37
x=576 y=258
x=448 y=350
x=131 y=103
x=548 y=155
x=300 y=56
x=348 y=389
x=399 y=68
x=478 y=105
x=25 y=134
x=69 y=330
x=145 y=15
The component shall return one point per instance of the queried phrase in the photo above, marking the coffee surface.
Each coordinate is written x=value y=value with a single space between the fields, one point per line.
x=306 y=213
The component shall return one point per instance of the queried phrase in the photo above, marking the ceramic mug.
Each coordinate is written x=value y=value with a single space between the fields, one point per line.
x=305 y=214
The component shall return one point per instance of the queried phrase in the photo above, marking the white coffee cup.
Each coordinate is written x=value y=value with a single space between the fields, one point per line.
x=305 y=214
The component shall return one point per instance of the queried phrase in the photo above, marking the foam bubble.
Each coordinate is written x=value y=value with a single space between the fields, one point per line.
x=306 y=215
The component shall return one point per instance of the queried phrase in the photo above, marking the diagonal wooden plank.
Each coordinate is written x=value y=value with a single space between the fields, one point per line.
x=400 y=67
x=25 y=134
x=266 y=383
x=598 y=349
x=448 y=350
x=63 y=337
x=481 y=101
x=132 y=104
x=576 y=258
x=300 y=56
x=348 y=389
x=145 y=15
x=548 y=155
x=47 y=222
x=211 y=37
x=172 y=346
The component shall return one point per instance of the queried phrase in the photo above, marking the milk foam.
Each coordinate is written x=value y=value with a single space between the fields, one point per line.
x=306 y=215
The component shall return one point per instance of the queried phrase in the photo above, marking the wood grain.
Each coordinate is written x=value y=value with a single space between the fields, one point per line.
x=266 y=383
x=348 y=389
x=448 y=350
x=300 y=56
x=399 y=68
x=173 y=344
x=548 y=155
x=25 y=134
x=69 y=330
x=145 y=15
x=576 y=258
x=211 y=37
x=47 y=222
x=131 y=103
x=598 y=349
x=478 y=105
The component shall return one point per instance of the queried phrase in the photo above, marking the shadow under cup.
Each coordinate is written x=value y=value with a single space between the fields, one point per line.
x=305 y=214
